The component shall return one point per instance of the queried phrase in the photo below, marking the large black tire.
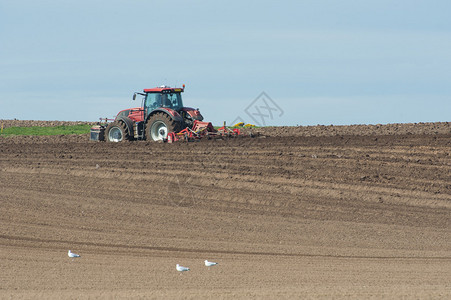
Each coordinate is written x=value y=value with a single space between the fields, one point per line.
x=117 y=132
x=159 y=125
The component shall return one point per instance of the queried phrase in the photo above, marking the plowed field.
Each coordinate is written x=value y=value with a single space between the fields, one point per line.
x=289 y=216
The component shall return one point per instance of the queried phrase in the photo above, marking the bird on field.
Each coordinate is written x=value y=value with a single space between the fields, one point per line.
x=72 y=255
x=181 y=269
x=210 y=263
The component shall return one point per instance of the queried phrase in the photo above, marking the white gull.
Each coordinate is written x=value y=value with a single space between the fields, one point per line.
x=70 y=254
x=210 y=263
x=181 y=269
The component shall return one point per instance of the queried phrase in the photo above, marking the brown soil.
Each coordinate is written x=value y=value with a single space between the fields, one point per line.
x=300 y=213
x=30 y=123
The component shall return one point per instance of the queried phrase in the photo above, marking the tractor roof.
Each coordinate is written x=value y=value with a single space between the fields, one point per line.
x=163 y=89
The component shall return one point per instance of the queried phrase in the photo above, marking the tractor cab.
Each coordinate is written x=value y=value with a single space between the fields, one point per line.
x=163 y=97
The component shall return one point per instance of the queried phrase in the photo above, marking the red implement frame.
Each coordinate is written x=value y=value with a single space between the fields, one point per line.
x=202 y=129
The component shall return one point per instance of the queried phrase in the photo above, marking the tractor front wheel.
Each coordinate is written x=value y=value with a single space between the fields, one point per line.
x=116 y=132
x=159 y=126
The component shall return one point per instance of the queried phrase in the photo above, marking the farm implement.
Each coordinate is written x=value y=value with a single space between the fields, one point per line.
x=202 y=129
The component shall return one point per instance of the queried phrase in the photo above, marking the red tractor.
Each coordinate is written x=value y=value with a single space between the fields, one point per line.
x=161 y=113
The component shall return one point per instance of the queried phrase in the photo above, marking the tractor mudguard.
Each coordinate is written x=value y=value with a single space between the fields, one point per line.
x=193 y=113
x=170 y=112
x=128 y=122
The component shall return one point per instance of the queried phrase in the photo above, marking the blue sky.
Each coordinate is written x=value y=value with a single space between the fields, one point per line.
x=321 y=62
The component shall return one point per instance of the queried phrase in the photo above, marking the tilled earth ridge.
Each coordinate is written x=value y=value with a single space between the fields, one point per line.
x=30 y=123
x=377 y=129
x=342 y=216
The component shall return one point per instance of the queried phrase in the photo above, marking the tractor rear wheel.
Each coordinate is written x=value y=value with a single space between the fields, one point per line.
x=159 y=126
x=117 y=132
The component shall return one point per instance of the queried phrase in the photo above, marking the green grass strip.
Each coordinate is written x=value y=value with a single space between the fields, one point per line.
x=54 y=130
